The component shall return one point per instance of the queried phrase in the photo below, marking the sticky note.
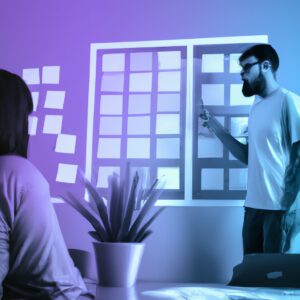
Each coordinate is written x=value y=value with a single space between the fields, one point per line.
x=239 y=126
x=55 y=99
x=139 y=104
x=65 y=143
x=35 y=100
x=141 y=61
x=167 y=124
x=169 y=60
x=52 y=124
x=138 y=125
x=111 y=104
x=112 y=82
x=109 y=148
x=234 y=66
x=31 y=76
x=172 y=176
x=168 y=102
x=169 y=81
x=66 y=173
x=32 y=125
x=212 y=179
x=209 y=147
x=212 y=63
x=140 y=82
x=113 y=62
x=110 y=125
x=104 y=173
x=168 y=148
x=138 y=148
x=238 y=178
x=50 y=75
x=213 y=94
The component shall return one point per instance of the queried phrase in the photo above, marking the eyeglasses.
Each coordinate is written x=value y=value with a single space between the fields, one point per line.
x=246 y=68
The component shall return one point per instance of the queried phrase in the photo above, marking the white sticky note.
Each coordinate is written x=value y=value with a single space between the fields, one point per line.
x=111 y=104
x=167 y=124
x=169 y=60
x=237 y=97
x=139 y=104
x=234 y=65
x=172 y=176
x=209 y=147
x=213 y=94
x=66 y=173
x=31 y=76
x=138 y=125
x=52 y=124
x=109 y=148
x=140 y=82
x=169 y=82
x=112 y=82
x=168 y=148
x=239 y=126
x=32 y=125
x=50 y=75
x=238 y=178
x=65 y=143
x=212 y=179
x=55 y=99
x=113 y=62
x=104 y=173
x=138 y=148
x=212 y=63
x=168 y=102
x=110 y=125
x=141 y=61
x=35 y=100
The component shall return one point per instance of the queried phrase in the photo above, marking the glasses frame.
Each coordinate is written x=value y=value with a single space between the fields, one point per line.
x=247 y=67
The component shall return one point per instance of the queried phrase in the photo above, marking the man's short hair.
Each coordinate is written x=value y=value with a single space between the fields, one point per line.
x=262 y=52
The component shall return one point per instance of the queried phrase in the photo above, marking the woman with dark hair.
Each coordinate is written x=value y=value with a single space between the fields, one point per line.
x=34 y=260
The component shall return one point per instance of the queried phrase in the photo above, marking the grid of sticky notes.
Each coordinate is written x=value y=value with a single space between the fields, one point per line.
x=48 y=113
x=140 y=115
x=215 y=94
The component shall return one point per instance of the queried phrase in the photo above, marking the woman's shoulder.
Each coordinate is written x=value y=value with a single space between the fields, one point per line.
x=21 y=169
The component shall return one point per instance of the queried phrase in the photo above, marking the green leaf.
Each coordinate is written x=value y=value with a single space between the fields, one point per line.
x=129 y=209
x=114 y=203
x=83 y=208
x=95 y=236
x=153 y=195
x=144 y=236
x=142 y=231
x=101 y=207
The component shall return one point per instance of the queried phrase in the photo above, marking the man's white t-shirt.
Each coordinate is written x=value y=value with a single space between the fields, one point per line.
x=274 y=125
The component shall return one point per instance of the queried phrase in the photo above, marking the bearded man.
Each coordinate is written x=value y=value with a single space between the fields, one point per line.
x=272 y=153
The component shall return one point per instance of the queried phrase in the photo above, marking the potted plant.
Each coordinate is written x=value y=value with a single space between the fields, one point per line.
x=119 y=230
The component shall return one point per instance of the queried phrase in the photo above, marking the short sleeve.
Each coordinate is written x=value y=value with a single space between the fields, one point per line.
x=292 y=115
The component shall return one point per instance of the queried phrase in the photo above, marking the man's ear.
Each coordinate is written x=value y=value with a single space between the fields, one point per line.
x=266 y=65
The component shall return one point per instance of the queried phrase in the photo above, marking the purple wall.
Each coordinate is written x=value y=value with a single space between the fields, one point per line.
x=59 y=32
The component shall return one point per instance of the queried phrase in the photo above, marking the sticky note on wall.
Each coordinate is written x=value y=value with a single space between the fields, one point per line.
x=65 y=143
x=31 y=76
x=52 y=124
x=50 y=75
x=55 y=99
x=66 y=173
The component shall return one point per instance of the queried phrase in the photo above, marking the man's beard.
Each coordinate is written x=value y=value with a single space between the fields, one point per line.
x=256 y=88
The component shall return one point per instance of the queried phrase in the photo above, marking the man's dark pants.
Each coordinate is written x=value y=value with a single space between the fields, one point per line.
x=267 y=231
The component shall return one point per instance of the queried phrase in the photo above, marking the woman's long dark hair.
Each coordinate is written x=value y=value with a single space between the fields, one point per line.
x=15 y=106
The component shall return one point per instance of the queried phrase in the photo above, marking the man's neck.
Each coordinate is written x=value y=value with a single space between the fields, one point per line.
x=271 y=86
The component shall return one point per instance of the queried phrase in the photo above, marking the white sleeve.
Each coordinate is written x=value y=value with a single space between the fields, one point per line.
x=292 y=109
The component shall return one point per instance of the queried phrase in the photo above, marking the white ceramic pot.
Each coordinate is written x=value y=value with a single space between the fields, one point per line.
x=118 y=263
